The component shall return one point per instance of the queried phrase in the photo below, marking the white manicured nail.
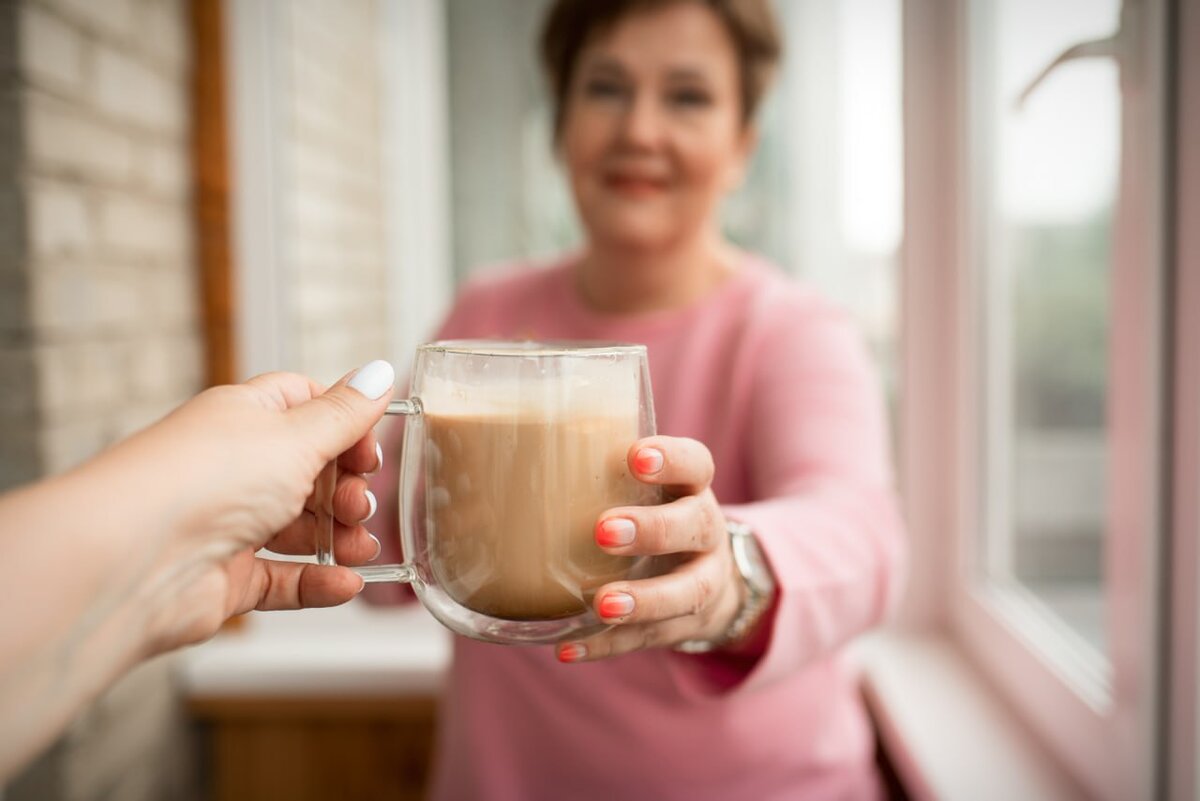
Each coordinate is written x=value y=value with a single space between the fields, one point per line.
x=374 y=505
x=373 y=379
x=378 y=547
x=378 y=458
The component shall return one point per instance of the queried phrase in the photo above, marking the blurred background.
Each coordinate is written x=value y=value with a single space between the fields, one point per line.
x=192 y=192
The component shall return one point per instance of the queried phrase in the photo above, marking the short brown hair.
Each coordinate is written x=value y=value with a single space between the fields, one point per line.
x=571 y=24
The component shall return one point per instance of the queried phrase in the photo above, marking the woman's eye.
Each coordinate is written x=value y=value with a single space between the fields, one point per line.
x=603 y=89
x=689 y=98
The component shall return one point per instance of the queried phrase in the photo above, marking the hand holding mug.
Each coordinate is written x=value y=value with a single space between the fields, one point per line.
x=700 y=597
x=253 y=453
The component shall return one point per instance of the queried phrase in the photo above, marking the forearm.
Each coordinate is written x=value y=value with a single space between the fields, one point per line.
x=85 y=552
x=837 y=565
x=838 y=556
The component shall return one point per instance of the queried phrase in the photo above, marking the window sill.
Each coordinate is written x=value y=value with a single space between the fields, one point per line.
x=945 y=731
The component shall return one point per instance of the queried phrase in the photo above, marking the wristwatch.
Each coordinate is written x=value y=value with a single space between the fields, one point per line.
x=760 y=590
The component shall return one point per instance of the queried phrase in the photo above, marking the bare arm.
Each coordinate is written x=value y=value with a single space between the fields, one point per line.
x=151 y=544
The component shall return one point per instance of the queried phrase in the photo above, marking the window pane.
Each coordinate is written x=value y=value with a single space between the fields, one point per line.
x=1046 y=181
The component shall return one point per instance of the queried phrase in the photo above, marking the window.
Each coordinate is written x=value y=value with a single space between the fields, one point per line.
x=1062 y=372
x=1044 y=184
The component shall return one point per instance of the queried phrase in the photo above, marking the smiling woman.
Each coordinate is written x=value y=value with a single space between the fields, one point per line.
x=653 y=138
x=723 y=676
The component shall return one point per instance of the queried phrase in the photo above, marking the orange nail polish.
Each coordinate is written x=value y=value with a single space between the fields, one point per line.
x=572 y=652
x=615 y=605
x=615 y=532
x=648 y=461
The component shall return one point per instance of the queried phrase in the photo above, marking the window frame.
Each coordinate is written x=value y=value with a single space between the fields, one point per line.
x=1109 y=746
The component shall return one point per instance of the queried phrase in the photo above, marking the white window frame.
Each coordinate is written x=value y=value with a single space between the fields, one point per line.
x=416 y=164
x=254 y=79
x=1104 y=731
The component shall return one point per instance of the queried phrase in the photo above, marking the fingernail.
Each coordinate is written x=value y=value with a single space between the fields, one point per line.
x=378 y=459
x=616 y=604
x=373 y=379
x=572 y=653
x=648 y=461
x=378 y=546
x=373 y=503
x=362 y=585
x=615 y=532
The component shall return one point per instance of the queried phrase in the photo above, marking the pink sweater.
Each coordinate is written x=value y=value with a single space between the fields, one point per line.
x=778 y=386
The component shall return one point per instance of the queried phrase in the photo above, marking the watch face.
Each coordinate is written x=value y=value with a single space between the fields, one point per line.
x=753 y=564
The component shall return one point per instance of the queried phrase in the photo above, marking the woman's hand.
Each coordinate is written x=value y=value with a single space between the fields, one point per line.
x=252 y=454
x=699 y=598
x=150 y=544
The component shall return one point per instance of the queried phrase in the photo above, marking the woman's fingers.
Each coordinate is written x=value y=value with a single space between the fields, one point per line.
x=691 y=524
x=352 y=501
x=363 y=456
x=690 y=590
x=660 y=612
x=683 y=466
x=627 y=639
x=295 y=585
x=352 y=545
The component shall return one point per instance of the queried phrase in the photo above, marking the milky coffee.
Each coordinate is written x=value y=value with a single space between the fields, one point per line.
x=512 y=502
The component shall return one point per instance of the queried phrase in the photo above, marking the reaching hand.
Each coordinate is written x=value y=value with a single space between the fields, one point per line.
x=251 y=454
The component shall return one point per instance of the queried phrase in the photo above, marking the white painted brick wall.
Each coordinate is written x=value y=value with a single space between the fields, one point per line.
x=59 y=220
x=164 y=171
x=134 y=92
x=110 y=18
x=66 y=140
x=52 y=51
x=135 y=227
x=334 y=212
x=103 y=295
x=162 y=30
x=112 y=291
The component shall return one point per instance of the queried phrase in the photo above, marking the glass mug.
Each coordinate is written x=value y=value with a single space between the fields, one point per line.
x=512 y=450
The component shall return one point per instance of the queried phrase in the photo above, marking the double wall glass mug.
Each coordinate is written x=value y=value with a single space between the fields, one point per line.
x=512 y=451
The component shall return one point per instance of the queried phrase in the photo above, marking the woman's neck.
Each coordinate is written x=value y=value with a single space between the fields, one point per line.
x=628 y=281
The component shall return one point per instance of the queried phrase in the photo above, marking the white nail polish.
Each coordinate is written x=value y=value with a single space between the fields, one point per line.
x=374 y=505
x=378 y=458
x=378 y=547
x=373 y=379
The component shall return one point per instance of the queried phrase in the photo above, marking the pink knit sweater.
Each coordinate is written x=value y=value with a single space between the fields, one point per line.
x=778 y=386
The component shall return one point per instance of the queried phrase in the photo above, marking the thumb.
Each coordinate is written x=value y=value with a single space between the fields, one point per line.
x=340 y=417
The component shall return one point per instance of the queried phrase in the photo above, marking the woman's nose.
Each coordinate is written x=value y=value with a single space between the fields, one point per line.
x=642 y=125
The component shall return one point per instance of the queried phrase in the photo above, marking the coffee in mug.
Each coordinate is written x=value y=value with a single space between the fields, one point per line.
x=512 y=452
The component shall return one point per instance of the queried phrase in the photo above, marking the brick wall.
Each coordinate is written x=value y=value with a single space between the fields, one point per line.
x=20 y=456
x=99 y=330
x=333 y=213
x=112 y=301
x=99 y=302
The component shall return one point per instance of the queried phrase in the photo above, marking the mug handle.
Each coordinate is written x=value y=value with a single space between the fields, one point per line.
x=326 y=484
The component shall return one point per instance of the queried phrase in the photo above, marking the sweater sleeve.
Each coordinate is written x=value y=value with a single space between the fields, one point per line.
x=826 y=514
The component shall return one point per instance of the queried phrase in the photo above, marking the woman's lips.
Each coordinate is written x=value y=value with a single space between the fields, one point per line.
x=635 y=186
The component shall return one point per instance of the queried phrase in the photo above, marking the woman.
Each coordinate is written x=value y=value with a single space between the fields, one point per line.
x=752 y=375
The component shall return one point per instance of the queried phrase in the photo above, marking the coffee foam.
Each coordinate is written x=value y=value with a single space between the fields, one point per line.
x=600 y=389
